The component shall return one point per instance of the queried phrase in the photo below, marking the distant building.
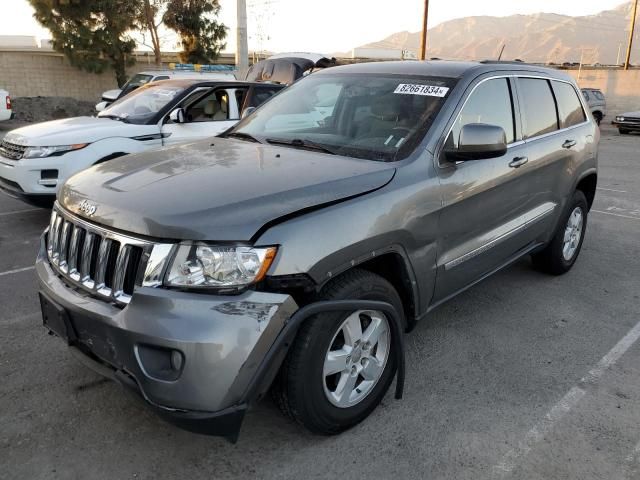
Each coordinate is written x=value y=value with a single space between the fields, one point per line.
x=383 y=53
x=18 y=41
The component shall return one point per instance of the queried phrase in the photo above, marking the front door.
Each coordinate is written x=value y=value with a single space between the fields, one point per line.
x=207 y=113
x=484 y=213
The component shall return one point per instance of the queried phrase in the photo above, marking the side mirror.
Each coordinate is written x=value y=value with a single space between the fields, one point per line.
x=177 y=116
x=478 y=141
x=101 y=106
x=247 y=111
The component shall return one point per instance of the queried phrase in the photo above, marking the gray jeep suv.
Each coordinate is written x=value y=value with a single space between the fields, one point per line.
x=292 y=252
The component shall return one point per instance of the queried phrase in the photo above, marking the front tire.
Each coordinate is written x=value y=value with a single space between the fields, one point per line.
x=623 y=131
x=559 y=256
x=341 y=364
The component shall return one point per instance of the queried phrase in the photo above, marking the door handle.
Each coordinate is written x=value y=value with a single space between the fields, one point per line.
x=518 y=162
x=569 y=144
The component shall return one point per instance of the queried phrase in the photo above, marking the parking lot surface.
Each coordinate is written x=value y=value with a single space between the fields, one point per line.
x=522 y=376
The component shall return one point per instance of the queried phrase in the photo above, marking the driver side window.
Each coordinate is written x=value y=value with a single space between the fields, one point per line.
x=491 y=104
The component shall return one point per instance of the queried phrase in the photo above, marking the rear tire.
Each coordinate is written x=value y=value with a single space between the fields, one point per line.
x=597 y=117
x=561 y=253
x=305 y=392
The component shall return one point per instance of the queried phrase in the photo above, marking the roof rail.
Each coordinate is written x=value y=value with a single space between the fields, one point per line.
x=506 y=62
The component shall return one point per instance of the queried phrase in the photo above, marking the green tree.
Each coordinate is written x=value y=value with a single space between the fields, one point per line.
x=148 y=20
x=195 y=21
x=92 y=34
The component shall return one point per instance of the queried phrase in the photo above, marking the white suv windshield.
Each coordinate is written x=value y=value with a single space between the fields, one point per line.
x=142 y=104
x=376 y=117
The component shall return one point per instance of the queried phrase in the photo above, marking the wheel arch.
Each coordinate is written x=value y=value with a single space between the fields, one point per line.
x=392 y=264
x=587 y=185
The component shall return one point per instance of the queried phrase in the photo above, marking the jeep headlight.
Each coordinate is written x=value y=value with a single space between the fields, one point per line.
x=201 y=265
x=619 y=119
x=42 y=152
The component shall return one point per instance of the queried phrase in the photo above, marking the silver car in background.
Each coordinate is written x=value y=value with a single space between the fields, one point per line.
x=597 y=103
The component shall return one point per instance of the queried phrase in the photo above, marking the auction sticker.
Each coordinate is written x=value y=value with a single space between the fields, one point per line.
x=417 y=89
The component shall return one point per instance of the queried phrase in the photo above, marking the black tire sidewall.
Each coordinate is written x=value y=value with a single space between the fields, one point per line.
x=560 y=263
x=311 y=403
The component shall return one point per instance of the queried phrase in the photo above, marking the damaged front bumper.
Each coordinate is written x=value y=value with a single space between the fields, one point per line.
x=193 y=357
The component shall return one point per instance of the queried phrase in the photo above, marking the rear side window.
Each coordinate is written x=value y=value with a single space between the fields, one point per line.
x=569 y=106
x=540 y=115
x=490 y=103
x=598 y=94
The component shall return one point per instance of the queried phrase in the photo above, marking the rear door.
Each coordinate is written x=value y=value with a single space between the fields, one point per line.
x=208 y=112
x=484 y=201
x=554 y=126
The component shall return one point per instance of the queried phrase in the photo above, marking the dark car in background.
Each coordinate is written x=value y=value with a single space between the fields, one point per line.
x=291 y=252
x=627 y=122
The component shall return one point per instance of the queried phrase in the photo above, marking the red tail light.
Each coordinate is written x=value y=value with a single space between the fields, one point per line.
x=8 y=102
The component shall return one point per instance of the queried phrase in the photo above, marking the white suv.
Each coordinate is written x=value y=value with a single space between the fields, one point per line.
x=35 y=160
x=5 y=105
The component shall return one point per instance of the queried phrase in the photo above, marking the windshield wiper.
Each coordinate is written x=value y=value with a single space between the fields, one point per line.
x=243 y=136
x=299 y=143
x=115 y=117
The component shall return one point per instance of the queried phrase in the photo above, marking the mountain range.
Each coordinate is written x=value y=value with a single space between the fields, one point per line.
x=540 y=37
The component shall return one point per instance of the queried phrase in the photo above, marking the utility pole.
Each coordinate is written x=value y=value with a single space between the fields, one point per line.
x=633 y=25
x=242 y=47
x=423 y=39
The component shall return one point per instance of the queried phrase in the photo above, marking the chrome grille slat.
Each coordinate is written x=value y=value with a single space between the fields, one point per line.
x=103 y=268
x=64 y=239
x=55 y=252
x=72 y=260
x=101 y=265
x=85 y=263
x=120 y=270
x=54 y=217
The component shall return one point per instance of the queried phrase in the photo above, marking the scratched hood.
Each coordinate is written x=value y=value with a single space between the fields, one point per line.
x=226 y=191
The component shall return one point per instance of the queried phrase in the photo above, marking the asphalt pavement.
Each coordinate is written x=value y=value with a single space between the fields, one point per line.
x=522 y=376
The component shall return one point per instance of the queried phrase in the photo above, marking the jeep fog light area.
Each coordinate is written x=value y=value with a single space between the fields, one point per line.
x=293 y=252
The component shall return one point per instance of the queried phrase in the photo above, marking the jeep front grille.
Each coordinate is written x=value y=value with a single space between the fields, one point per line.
x=97 y=260
x=11 y=150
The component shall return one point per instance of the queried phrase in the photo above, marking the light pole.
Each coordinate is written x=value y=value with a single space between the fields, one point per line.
x=242 y=47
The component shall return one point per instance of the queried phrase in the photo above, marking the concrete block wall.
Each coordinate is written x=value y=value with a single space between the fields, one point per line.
x=621 y=88
x=25 y=73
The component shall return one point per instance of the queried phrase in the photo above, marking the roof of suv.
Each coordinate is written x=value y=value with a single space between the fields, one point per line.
x=440 y=68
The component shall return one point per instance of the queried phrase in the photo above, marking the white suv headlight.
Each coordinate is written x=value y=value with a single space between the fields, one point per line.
x=42 y=152
x=202 y=265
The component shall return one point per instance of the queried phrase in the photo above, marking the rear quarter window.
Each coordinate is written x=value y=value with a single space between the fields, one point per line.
x=569 y=107
x=539 y=108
